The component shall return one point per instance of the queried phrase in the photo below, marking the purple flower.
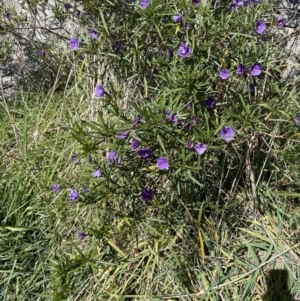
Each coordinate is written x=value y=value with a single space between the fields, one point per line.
x=74 y=43
x=297 y=120
x=186 y=25
x=187 y=126
x=144 y=3
x=81 y=235
x=118 y=47
x=99 y=91
x=232 y=7
x=237 y=2
x=73 y=196
x=162 y=163
x=42 y=52
x=137 y=120
x=85 y=190
x=200 y=148
x=210 y=102
x=255 y=69
x=55 y=187
x=111 y=156
x=173 y=117
x=68 y=6
x=170 y=53
x=8 y=16
x=193 y=120
x=147 y=194
x=260 y=26
x=190 y=144
x=145 y=153
x=97 y=173
x=177 y=18
x=135 y=144
x=74 y=159
x=190 y=105
x=280 y=22
x=184 y=50
x=224 y=73
x=227 y=133
x=252 y=89
x=196 y=2
x=122 y=135
x=77 y=12
x=93 y=33
x=241 y=69
x=91 y=159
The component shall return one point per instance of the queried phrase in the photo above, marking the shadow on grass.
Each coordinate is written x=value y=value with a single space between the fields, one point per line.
x=278 y=288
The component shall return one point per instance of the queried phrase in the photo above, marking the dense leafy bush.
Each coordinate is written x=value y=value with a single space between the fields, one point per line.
x=181 y=131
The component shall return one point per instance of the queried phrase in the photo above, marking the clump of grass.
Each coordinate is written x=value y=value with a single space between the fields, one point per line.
x=151 y=174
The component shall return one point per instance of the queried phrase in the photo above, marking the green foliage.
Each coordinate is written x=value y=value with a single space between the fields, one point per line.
x=219 y=221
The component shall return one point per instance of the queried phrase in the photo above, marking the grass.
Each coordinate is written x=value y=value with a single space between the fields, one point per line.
x=222 y=226
x=224 y=255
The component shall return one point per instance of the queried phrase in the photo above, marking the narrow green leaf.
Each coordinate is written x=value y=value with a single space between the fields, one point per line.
x=103 y=22
x=194 y=179
x=161 y=144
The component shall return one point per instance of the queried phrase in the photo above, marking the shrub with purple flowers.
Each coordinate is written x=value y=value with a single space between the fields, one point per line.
x=169 y=139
